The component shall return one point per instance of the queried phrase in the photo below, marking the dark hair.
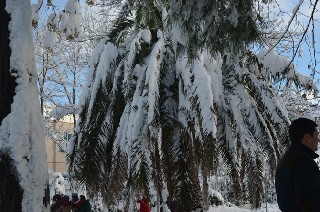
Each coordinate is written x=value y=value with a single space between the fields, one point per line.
x=82 y=197
x=56 y=197
x=75 y=197
x=299 y=128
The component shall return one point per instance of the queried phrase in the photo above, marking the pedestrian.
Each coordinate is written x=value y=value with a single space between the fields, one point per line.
x=83 y=205
x=57 y=200
x=74 y=201
x=297 y=178
x=54 y=200
x=74 y=197
x=65 y=205
x=174 y=205
x=144 y=204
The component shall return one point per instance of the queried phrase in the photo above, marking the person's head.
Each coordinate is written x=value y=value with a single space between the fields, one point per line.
x=303 y=130
x=66 y=198
x=56 y=197
x=75 y=197
x=82 y=197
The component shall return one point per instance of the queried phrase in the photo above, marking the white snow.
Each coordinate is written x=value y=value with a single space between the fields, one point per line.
x=70 y=19
x=53 y=21
x=274 y=65
x=270 y=208
x=153 y=75
x=49 y=39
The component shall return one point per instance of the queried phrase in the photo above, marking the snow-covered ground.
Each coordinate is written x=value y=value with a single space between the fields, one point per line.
x=270 y=208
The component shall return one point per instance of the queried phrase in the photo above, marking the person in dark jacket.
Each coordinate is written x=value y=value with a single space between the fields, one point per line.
x=83 y=205
x=74 y=201
x=174 y=205
x=298 y=177
x=65 y=205
x=57 y=201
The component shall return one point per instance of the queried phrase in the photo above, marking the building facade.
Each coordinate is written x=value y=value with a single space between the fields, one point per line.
x=57 y=138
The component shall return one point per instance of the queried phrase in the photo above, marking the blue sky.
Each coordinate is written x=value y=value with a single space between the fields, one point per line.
x=58 y=3
x=306 y=57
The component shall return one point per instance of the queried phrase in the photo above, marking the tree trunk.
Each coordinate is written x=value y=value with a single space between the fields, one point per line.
x=205 y=191
x=7 y=81
x=10 y=190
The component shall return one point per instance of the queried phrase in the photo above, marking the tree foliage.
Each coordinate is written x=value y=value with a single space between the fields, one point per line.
x=171 y=91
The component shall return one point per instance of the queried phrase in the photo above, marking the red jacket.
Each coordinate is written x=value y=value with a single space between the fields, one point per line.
x=144 y=205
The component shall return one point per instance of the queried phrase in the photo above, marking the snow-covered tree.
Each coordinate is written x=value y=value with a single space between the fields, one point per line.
x=61 y=64
x=23 y=164
x=57 y=184
x=173 y=89
x=301 y=103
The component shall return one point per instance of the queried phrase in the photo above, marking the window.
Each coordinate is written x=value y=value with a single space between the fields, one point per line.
x=66 y=137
